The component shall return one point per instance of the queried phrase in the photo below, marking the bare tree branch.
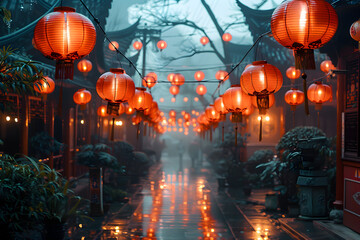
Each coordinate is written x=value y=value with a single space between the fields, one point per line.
x=194 y=52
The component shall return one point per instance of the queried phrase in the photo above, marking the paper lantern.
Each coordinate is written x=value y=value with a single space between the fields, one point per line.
x=304 y=25
x=82 y=97
x=136 y=119
x=355 y=31
x=43 y=87
x=236 y=101
x=161 y=45
x=221 y=75
x=174 y=90
x=65 y=36
x=186 y=99
x=199 y=76
x=101 y=111
x=178 y=79
x=260 y=80
x=84 y=66
x=319 y=93
x=326 y=66
x=248 y=111
x=294 y=97
x=113 y=46
x=219 y=105
x=187 y=117
x=115 y=87
x=293 y=73
x=141 y=100
x=201 y=90
x=128 y=110
x=226 y=37
x=137 y=45
x=204 y=40
x=170 y=77
x=211 y=113
x=150 y=80
x=172 y=114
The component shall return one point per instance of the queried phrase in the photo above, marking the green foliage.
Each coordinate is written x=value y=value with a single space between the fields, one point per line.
x=259 y=157
x=5 y=15
x=21 y=194
x=218 y=162
x=123 y=151
x=42 y=144
x=115 y=193
x=96 y=156
x=228 y=146
x=140 y=165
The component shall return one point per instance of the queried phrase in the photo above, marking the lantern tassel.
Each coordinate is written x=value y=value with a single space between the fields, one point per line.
x=112 y=130
x=138 y=131
x=236 y=128
x=223 y=129
x=260 y=129
x=60 y=99
x=210 y=134
x=304 y=76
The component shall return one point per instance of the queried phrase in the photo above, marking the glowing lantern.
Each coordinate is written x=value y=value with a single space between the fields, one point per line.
x=170 y=77
x=204 y=40
x=150 y=80
x=199 y=76
x=84 y=66
x=260 y=80
x=355 y=31
x=115 y=87
x=141 y=100
x=212 y=114
x=319 y=93
x=187 y=117
x=136 y=119
x=293 y=73
x=137 y=45
x=178 y=79
x=101 y=111
x=173 y=99
x=65 y=36
x=226 y=37
x=82 y=97
x=174 y=90
x=304 y=25
x=196 y=99
x=129 y=110
x=221 y=75
x=326 y=66
x=186 y=99
x=271 y=100
x=113 y=46
x=294 y=97
x=172 y=113
x=248 y=111
x=161 y=100
x=219 y=105
x=43 y=87
x=236 y=102
x=122 y=109
x=201 y=90
x=161 y=45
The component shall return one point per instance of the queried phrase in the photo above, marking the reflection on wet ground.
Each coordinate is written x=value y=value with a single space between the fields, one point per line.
x=180 y=205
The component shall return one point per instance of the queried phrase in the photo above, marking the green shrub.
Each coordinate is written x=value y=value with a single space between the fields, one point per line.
x=259 y=157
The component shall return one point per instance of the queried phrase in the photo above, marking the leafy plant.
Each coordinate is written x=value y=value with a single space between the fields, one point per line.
x=96 y=156
x=42 y=144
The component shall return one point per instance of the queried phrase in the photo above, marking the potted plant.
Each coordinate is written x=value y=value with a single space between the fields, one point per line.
x=43 y=145
x=96 y=157
x=22 y=202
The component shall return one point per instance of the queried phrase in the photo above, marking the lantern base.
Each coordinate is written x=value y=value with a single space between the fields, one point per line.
x=64 y=69
x=304 y=59
x=236 y=117
x=113 y=108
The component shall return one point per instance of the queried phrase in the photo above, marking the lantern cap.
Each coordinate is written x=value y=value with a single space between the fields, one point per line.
x=259 y=62
x=117 y=70
x=141 y=89
x=236 y=85
x=294 y=89
x=64 y=9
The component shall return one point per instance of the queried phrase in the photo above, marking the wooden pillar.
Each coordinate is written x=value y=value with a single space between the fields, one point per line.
x=67 y=141
x=24 y=121
x=88 y=125
x=341 y=78
x=50 y=124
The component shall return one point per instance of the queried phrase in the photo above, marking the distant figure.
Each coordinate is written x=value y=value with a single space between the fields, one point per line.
x=181 y=150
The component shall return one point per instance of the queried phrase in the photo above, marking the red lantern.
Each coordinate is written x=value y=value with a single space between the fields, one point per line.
x=294 y=97
x=137 y=45
x=161 y=100
x=170 y=77
x=178 y=79
x=115 y=87
x=196 y=99
x=84 y=66
x=43 y=87
x=136 y=119
x=173 y=99
x=248 y=111
x=113 y=46
x=260 y=80
x=201 y=90
x=304 y=25
x=271 y=100
x=187 y=117
x=355 y=31
x=141 y=100
x=150 y=80
x=319 y=93
x=326 y=66
x=161 y=45
x=219 y=105
x=236 y=101
x=172 y=114
x=82 y=97
x=226 y=37
x=174 y=90
x=221 y=75
x=65 y=36
x=129 y=110
x=199 y=76
x=186 y=99
x=204 y=40
x=211 y=113
x=293 y=73
x=101 y=111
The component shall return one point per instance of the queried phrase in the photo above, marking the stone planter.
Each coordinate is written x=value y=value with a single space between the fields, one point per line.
x=96 y=191
x=271 y=201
